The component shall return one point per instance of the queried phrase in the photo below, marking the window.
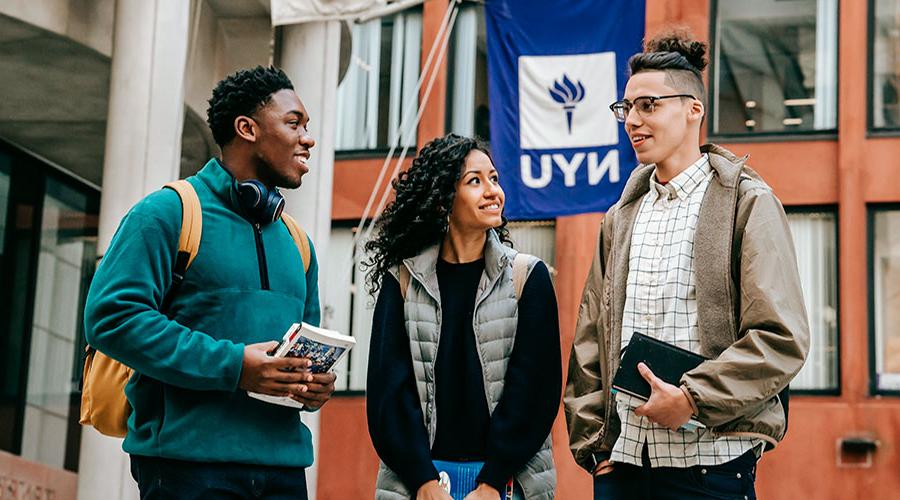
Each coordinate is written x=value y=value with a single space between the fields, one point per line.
x=379 y=88
x=815 y=240
x=884 y=227
x=885 y=65
x=467 y=96
x=774 y=66
x=45 y=268
x=349 y=307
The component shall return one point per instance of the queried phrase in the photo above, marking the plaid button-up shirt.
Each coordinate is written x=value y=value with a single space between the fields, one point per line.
x=661 y=302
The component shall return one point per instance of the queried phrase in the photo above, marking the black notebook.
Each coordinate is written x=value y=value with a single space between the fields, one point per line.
x=667 y=362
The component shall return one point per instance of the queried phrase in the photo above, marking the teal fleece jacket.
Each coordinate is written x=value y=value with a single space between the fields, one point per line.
x=184 y=394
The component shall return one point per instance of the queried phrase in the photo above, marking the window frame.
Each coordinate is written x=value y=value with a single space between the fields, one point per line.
x=871 y=210
x=871 y=129
x=832 y=209
x=769 y=136
x=35 y=172
x=353 y=226
x=451 y=80
x=380 y=151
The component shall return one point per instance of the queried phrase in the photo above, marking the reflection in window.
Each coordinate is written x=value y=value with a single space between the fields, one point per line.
x=775 y=64
x=886 y=65
x=378 y=91
x=886 y=296
x=815 y=240
x=467 y=97
x=65 y=264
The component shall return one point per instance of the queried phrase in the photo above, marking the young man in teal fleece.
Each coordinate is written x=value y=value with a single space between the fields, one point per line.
x=193 y=430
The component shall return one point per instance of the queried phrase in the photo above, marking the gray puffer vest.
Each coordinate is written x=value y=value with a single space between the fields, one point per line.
x=494 y=322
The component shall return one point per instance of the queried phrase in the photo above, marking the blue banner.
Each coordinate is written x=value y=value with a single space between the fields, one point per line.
x=554 y=67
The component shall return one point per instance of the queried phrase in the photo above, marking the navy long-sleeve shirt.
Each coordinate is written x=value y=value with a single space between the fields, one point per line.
x=466 y=431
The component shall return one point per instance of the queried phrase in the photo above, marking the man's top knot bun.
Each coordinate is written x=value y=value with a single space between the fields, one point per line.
x=680 y=42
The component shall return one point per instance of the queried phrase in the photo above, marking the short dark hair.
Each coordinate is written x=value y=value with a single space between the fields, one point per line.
x=679 y=56
x=241 y=94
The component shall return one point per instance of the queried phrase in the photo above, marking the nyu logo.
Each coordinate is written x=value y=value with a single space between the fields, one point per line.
x=568 y=94
x=560 y=142
x=583 y=81
x=569 y=165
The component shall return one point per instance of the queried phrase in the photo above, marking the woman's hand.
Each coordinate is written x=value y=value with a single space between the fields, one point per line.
x=483 y=492
x=432 y=490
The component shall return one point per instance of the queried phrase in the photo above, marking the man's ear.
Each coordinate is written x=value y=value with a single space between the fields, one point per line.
x=698 y=110
x=246 y=128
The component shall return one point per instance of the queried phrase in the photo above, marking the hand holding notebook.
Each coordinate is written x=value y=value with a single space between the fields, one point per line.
x=651 y=370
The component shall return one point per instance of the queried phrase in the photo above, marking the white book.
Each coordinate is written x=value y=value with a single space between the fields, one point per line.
x=325 y=348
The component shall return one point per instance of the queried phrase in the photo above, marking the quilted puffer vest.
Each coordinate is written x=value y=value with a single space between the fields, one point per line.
x=494 y=322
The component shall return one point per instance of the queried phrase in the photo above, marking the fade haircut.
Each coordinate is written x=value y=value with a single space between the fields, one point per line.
x=679 y=56
x=242 y=94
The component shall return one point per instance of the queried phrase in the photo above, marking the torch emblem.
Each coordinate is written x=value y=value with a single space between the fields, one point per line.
x=569 y=94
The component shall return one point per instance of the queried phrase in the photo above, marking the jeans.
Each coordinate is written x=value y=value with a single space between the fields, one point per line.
x=731 y=480
x=160 y=478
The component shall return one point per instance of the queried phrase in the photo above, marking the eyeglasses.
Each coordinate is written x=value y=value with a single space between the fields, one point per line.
x=645 y=105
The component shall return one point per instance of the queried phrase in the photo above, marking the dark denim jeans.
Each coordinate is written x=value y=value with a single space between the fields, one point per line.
x=731 y=480
x=160 y=478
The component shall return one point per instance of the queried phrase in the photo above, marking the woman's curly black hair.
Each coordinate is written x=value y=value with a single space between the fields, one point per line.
x=241 y=94
x=419 y=215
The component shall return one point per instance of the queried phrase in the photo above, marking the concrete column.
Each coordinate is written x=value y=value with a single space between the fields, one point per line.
x=143 y=152
x=309 y=56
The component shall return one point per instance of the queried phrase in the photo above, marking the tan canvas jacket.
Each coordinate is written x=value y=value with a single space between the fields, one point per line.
x=752 y=320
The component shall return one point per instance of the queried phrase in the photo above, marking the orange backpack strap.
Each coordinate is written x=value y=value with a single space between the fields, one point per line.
x=189 y=239
x=300 y=239
x=520 y=272
x=103 y=402
x=403 y=279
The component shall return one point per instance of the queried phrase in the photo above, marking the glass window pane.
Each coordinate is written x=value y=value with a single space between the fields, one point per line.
x=816 y=244
x=348 y=306
x=886 y=65
x=467 y=97
x=376 y=99
x=537 y=238
x=67 y=249
x=4 y=197
x=775 y=66
x=886 y=296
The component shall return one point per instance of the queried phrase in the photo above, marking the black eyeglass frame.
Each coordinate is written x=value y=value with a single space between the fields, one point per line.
x=620 y=105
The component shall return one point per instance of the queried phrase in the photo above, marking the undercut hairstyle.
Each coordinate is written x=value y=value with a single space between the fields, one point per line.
x=679 y=56
x=242 y=94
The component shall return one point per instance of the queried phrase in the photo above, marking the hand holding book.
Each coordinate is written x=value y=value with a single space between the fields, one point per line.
x=264 y=374
x=668 y=405
x=305 y=357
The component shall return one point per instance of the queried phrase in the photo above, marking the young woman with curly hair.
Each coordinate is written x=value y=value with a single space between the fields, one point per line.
x=463 y=367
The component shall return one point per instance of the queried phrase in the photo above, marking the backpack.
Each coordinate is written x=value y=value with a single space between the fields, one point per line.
x=103 y=402
x=519 y=270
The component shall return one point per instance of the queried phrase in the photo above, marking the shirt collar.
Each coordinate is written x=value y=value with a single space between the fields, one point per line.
x=684 y=183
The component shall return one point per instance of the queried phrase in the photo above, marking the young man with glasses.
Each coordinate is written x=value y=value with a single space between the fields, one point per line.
x=696 y=253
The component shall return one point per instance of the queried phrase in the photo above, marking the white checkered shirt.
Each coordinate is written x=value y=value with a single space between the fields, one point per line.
x=661 y=302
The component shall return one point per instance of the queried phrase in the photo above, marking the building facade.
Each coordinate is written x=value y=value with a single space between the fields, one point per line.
x=104 y=101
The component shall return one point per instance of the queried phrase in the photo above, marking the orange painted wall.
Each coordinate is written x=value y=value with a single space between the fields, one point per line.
x=848 y=171
x=354 y=182
x=347 y=461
